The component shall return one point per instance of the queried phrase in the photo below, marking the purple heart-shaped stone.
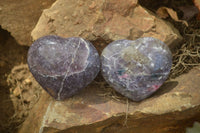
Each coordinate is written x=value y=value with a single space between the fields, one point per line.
x=63 y=66
x=136 y=69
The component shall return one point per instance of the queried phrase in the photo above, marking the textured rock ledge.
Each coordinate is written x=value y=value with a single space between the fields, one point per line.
x=103 y=21
x=169 y=110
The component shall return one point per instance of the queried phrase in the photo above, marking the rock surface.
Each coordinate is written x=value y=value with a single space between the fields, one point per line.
x=102 y=21
x=173 y=108
x=136 y=69
x=63 y=66
x=194 y=129
x=19 y=17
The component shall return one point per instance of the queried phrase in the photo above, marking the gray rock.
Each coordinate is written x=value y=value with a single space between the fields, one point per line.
x=63 y=66
x=136 y=69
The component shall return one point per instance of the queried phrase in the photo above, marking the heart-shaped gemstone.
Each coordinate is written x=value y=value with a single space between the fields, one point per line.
x=136 y=69
x=63 y=66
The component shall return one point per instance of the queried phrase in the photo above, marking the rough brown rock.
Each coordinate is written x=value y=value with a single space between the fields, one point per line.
x=170 y=110
x=103 y=21
x=19 y=17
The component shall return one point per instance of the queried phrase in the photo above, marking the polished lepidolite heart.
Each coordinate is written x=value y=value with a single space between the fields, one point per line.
x=136 y=69
x=63 y=66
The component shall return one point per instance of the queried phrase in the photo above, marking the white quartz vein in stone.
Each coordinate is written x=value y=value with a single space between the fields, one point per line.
x=35 y=70
x=118 y=53
x=138 y=46
x=85 y=44
x=87 y=62
x=66 y=74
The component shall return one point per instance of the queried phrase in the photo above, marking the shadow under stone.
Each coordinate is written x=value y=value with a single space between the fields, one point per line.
x=93 y=94
x=165 y=88
x=11 y=54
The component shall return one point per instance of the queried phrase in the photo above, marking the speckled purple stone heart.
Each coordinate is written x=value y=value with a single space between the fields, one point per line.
x=63 y=66
x=136 y=69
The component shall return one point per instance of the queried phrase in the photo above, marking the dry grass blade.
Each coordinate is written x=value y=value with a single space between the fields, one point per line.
x=187 y=56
